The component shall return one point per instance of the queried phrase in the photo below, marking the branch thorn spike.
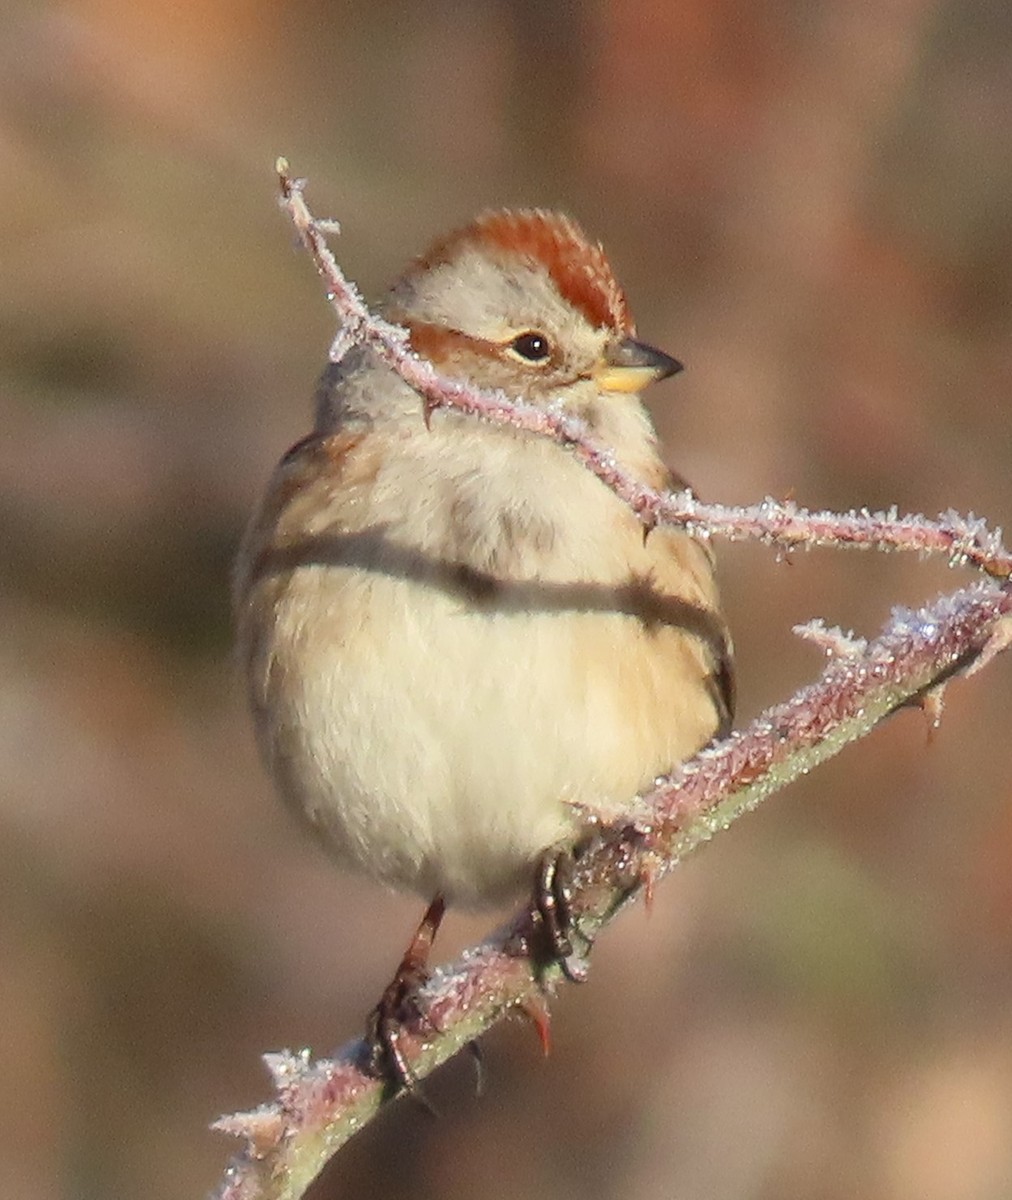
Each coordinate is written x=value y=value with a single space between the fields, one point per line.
x=535 y=1009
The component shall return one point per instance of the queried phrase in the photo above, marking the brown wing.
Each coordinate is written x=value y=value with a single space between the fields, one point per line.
x=299 y=496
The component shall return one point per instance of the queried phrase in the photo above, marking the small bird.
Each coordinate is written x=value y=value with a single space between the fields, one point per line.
x=457 y=641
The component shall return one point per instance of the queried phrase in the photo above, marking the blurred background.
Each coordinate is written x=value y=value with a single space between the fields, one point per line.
x=810 y=204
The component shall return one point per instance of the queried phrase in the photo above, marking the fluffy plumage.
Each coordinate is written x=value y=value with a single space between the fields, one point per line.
x=453 y=635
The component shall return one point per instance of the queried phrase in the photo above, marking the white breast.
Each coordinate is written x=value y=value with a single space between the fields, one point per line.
x=435 y=733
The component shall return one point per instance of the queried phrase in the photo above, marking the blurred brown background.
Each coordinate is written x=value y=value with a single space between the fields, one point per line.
x=811 y=205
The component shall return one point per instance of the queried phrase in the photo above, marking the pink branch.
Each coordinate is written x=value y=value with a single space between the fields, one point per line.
x=963 y=540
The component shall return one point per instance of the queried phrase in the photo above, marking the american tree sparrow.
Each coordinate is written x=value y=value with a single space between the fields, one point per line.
x=456 y=640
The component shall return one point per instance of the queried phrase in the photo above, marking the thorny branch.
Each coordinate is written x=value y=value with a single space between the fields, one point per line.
x=320 y=1105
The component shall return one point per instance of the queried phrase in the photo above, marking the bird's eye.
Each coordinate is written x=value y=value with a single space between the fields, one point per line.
x=535 y=347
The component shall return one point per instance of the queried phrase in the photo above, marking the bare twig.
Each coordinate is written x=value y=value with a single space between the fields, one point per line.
x=320 y=1105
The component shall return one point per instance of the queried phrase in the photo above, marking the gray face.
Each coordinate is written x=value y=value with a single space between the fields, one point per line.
x=493 y=302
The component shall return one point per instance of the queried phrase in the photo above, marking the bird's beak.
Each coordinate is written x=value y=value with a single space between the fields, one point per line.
x=628 y=366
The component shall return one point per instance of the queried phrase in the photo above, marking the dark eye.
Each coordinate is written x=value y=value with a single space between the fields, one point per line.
x=532 y=346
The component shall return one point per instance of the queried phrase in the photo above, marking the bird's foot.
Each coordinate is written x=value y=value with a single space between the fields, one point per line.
x=553 y=900
x=400 y=1008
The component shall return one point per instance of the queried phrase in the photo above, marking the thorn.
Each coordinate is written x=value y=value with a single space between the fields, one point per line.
x=648 y=881
x=263 y=1128
x=535 y=1009
x=932 y=702
x=342 y=343
x=999 y=641
x=479 y=1068
x=286 y=1068
x=835 y=642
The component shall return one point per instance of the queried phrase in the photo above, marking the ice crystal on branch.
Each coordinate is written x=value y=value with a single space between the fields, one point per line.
x=835 y=642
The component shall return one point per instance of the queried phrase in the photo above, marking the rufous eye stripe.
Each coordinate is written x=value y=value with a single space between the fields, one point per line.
x=441 y=345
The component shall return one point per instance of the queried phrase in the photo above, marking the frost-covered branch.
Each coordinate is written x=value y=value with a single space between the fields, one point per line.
x=320 y=1105
x=962 y=540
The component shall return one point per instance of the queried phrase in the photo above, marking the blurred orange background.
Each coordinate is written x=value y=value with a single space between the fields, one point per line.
x=811 y=206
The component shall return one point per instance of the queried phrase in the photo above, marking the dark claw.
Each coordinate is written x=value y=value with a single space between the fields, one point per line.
x=553 y=899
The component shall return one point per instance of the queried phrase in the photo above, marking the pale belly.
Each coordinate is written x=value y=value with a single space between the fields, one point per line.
x=441 y=748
